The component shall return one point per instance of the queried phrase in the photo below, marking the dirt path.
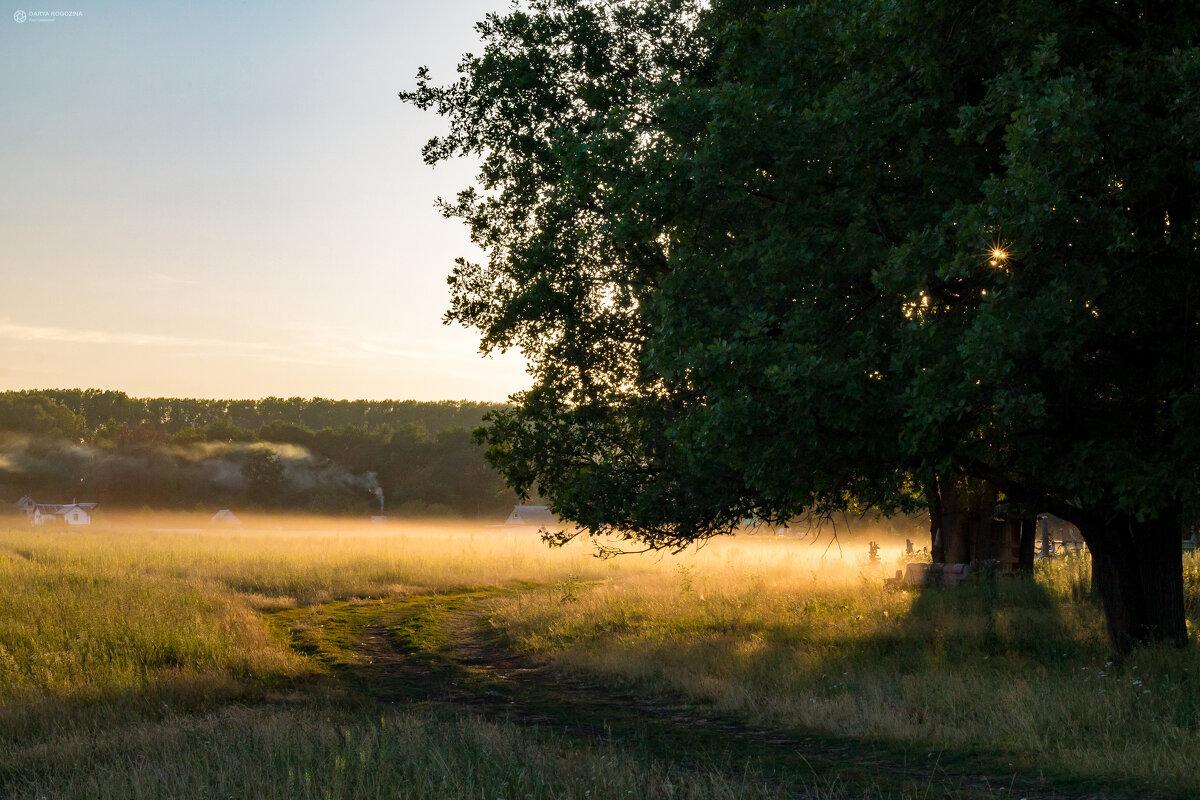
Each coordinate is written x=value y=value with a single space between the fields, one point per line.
x=435 y=650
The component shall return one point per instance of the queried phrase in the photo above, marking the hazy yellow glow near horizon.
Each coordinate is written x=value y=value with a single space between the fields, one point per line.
x=228 y=200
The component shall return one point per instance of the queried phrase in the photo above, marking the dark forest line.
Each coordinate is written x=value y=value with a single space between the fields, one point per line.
x=84 y=412
x=299 y=454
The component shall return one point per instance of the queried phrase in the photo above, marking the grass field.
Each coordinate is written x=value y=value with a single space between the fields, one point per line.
x=158 y=657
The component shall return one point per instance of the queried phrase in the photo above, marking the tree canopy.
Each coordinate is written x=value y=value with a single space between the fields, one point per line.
x=774 y=257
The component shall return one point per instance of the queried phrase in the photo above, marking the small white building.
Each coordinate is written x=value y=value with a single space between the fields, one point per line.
x=225 y=517
x=70 y=513
x=531 y=515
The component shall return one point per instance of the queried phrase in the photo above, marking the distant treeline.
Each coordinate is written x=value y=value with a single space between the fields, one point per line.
x=84 y=412
x=295 y=453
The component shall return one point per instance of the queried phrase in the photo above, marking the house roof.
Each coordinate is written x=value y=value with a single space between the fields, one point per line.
x=63 y=508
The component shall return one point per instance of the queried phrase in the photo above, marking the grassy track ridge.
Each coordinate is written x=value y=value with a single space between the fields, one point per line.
x=438 y=649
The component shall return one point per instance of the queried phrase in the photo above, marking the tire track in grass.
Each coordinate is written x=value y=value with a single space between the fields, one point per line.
x=434 y=649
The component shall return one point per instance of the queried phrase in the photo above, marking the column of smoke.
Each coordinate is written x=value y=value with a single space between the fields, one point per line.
x=378 y=492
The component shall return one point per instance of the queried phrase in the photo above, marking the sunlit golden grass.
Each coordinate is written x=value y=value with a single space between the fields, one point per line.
x=276 y=564
x=122 y=645
x=117 y=615
x=108 y=632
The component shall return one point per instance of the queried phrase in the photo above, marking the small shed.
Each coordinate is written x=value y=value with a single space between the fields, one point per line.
x=531 y=515
x=225 y=517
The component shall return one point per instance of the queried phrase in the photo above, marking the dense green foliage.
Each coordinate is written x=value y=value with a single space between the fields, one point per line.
x=564 y=109
x=314 y=455
x=829 y=186
x=773 y=257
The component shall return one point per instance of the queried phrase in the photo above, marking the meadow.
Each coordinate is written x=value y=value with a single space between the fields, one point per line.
x=293 y=657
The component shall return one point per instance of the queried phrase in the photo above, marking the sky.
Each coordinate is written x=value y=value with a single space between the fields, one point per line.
x=227 y=199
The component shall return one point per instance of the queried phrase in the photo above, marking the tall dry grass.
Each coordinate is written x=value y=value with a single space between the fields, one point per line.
x=128 y=654
x=109 y=632
x=153 y=611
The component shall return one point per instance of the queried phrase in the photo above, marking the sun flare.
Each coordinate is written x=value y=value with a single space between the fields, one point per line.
x=998 y=254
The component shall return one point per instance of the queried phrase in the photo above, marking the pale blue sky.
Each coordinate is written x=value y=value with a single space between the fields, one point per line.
x=227 y=199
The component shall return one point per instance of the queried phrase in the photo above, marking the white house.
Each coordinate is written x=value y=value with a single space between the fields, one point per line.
x=70 y=513
x=531 y=515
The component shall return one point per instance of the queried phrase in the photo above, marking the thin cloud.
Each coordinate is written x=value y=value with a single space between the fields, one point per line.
x=358 y=345
x=50 y=333
x=379 y=349
x=312 y=347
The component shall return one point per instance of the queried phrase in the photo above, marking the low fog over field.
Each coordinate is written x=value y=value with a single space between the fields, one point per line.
x=217 y=472
x=273 y=454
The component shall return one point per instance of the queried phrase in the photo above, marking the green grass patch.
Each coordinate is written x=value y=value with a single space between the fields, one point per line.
x=333 y=752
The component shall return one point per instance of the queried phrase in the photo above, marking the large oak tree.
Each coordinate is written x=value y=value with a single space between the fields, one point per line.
x=772 y=257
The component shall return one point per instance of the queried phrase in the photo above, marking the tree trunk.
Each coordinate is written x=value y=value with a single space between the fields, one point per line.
x=1029 y=535
x=933 y=496
x=960 y=520
x=1137 y=568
